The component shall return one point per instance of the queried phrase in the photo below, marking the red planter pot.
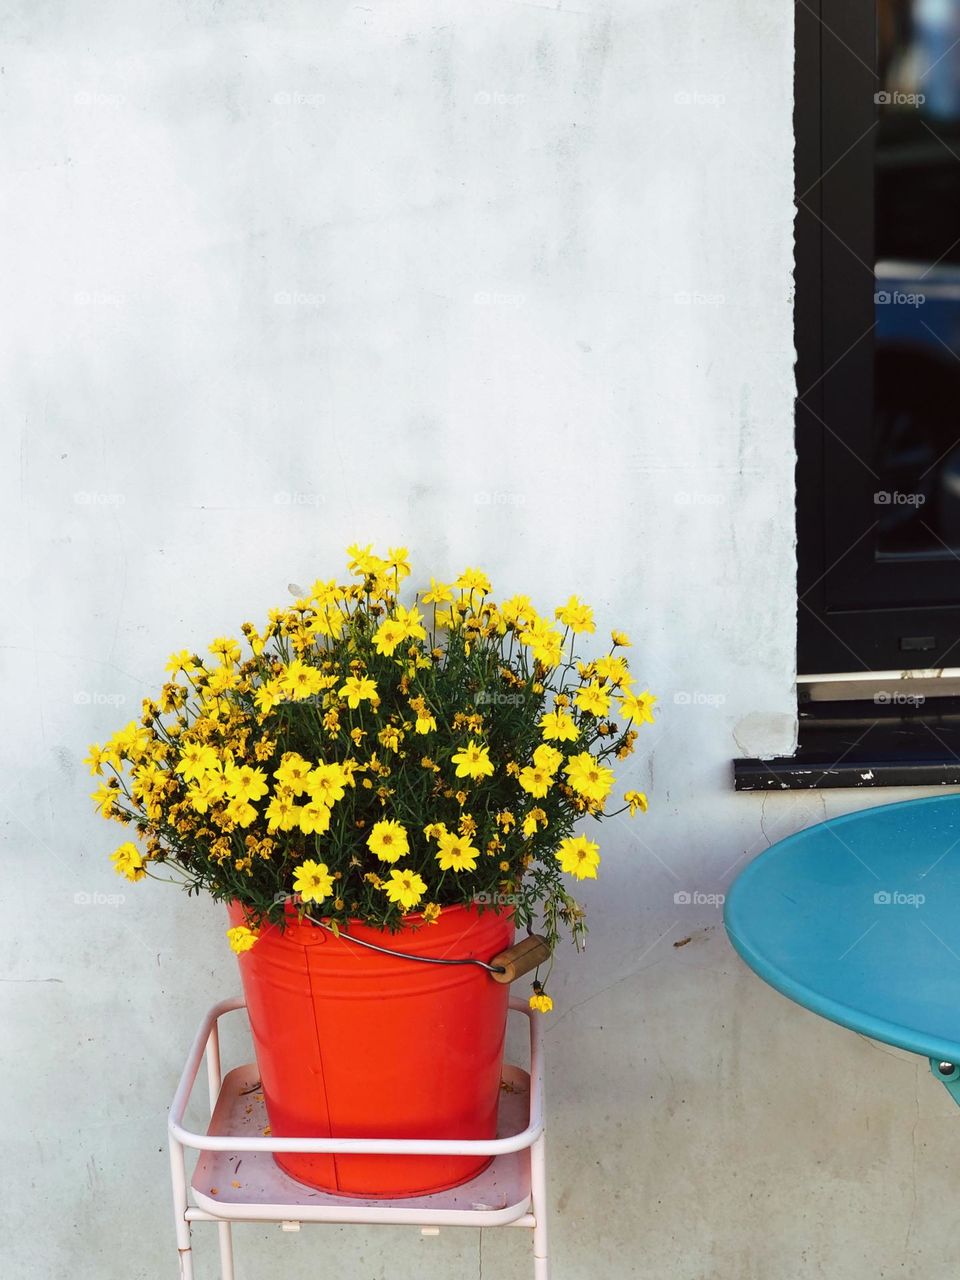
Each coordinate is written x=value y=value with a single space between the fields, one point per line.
x=352 y=1043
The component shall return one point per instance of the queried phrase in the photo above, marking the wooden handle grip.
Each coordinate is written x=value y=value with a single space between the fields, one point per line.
x=521 y=958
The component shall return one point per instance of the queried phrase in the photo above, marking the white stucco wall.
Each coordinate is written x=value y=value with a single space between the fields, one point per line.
x=510 y=284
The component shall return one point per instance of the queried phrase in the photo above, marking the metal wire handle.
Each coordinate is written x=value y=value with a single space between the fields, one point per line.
x=403 y=955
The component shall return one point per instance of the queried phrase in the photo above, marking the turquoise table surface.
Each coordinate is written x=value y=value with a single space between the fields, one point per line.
x=858 y=919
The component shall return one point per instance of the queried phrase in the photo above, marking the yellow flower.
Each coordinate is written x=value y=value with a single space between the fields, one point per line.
x=516 y=610
x=639 y=706
x=300 y=681
x=541 y=1002
x=473 y=761
x=313 y=818
x=326 y=783
x=245 y=782
x=388 y=840
x=241 y=938
x=559 y=726
x=267 y=696
x=439 y=593
x=545 y=642
x=128 y=861
x=222 y=679
x=576 y=615
x=506 y=820
x=196 y=759
x=431 y=913
x=473 y=580
x=536 y=780
x=397 y=560
x=579 y=857
x=588 y=777
x=325 y=593
x=104 y=799
x=97 y=757
x=434 y=830
x=412 y=623
x=425 y=723
x=226 y=649
x=312 y=881
x=531 y=822
x=130 y=741
x=387 y=636
x=593 y=698
x=362 y=562
x=636 y=800
x=281 y=813
x=357 y=688
x=254 y=639
x=547 y=757
x=620 y=639
x=182 y=661
x=614 y=669
x=241 y=812
x=405 y=888
x=207 y=791
x=456 y=853
x=292 y=772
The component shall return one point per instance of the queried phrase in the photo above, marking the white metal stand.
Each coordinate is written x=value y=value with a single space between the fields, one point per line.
x=237 y=1180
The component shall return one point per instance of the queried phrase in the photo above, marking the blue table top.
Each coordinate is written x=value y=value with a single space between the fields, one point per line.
x=858 y=919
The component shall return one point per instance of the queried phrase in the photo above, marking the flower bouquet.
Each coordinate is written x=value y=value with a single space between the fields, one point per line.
x=371 y=766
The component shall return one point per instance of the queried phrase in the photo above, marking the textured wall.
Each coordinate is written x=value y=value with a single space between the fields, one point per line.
x=508 y=283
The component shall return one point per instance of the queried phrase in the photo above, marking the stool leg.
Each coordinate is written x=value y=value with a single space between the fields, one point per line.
x=538 y=1188
x=226 y=1251
x=178 y=1177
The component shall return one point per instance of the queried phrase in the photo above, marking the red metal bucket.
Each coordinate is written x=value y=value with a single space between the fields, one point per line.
x=352 y=1043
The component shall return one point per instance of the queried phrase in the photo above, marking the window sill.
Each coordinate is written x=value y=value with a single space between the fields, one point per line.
x=861 y=744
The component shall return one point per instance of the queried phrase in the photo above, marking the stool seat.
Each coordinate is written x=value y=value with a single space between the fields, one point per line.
x=251 y=1185
x=236 y=1179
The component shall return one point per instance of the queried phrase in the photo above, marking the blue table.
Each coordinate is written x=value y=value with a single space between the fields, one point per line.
x=858 y=919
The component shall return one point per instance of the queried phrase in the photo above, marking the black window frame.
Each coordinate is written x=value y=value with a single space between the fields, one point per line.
x=844 y=623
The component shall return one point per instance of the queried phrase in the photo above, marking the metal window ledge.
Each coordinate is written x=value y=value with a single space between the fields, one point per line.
x=864 y=744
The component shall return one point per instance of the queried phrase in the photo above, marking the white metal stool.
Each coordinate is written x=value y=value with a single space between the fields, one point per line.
x=237 y=1180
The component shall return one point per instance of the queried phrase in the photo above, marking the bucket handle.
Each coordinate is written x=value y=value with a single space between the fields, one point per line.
x=504 y=967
